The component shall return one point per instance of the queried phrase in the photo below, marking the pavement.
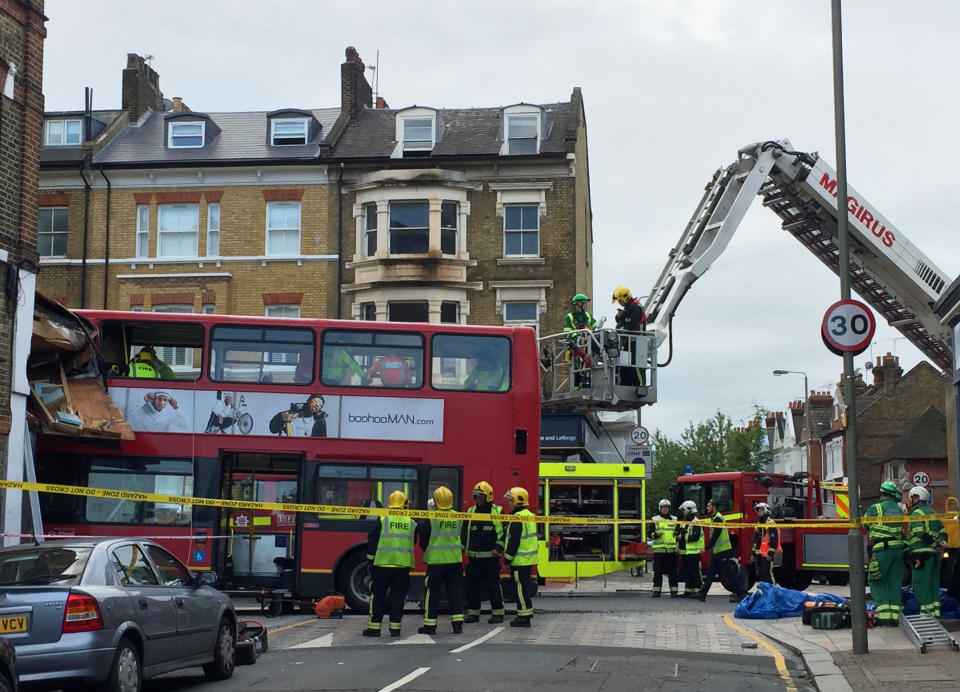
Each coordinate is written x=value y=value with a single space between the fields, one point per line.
x=893 y=662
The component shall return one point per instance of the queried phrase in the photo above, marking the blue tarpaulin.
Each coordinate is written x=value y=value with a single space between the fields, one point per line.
x=770 y=601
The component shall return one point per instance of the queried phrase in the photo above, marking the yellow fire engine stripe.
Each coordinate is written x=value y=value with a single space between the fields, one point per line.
x=777 y=656
x=345 y=511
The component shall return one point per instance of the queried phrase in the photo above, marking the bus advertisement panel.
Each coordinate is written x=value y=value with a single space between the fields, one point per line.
x=293 y=410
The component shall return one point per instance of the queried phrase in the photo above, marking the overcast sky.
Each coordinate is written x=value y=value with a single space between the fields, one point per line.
x=672 y=90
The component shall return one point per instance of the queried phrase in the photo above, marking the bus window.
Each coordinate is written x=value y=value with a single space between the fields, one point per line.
x=156 y=350
x=372 y=359
x=282 y=355
x=449 y=477
x=167 y=477
x=365 y=486
x=478 y=363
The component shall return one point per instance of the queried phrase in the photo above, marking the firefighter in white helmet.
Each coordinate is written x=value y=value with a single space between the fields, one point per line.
x=690 y=542
x=925 y=541
x=664 y=549
x=766 y=543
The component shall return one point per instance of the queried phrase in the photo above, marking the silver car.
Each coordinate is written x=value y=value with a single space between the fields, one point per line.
x=112 y=612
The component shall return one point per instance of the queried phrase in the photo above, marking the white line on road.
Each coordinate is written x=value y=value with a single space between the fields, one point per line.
x=319 y=642
x=481 y=640
x=404 y=680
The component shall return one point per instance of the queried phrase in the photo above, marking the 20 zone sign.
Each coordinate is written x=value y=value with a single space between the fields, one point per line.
x=848 y=327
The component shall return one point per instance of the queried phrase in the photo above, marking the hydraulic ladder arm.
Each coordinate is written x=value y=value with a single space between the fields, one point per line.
x=886 y=269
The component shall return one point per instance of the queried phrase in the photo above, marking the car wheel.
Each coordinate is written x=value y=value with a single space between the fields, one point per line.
x=4 y=684
x=354 y=581
x=125 y=673
x=224 y=652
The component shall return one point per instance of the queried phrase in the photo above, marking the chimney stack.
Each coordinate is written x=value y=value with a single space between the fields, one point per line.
x=355 y=91
x=178 y=105
x=141 y=88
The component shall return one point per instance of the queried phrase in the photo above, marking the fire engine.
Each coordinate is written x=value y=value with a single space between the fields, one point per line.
x=807 y=552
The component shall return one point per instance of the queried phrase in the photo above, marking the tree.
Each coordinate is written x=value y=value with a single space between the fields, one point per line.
x=709 y=446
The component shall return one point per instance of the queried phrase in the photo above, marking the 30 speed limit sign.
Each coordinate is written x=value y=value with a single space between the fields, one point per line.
x=848 y=327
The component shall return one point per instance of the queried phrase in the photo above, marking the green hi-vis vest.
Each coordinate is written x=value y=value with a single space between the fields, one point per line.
x=141 y=369
x=694 y=547
x=924 y=527
x=666 y=542
x=495 y=526
x=889 y=534
x=444 y=546
x=723 y=542
x=527 y=550
x=395 y=547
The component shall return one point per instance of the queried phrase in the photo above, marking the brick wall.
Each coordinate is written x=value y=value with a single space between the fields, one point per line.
x=882 y=422
x=21 y=125
x=242 y=233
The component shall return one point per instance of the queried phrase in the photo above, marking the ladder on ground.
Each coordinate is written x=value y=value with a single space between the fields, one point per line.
x=926 y=631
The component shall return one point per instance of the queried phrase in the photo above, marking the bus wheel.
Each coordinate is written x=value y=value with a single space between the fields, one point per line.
x=354 y=580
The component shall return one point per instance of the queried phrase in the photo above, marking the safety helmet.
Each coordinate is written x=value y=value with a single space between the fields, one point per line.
x=145 y=355
x=443 y=497
x=663 y=503
x=485 y=489
x=518 y=495
x=578 y=298
x=888 y=488
x=690 y=507
x=621 y=294
x=762 y=508
x=920 y=493
x=397 y=500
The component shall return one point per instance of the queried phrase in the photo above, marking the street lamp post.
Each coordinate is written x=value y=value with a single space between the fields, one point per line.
x=806 y=412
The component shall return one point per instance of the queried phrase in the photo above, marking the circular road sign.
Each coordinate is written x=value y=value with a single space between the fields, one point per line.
x=921 y=478
x=848 y=326
x=640 y=435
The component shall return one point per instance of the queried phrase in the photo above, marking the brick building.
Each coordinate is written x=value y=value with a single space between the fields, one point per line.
x=418 y=214
x=901 y=428
x=22 y=34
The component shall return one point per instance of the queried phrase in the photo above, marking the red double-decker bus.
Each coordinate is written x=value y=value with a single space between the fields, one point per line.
x=293 y=410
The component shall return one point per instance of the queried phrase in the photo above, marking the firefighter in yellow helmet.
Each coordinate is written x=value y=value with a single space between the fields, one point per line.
x=443 y=555
x=390 y=549
x=146 y=364
x=630 y=318
x=484 y=542
x=521 y=553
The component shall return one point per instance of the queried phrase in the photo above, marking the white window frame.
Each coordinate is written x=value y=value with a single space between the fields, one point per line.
x=161 y=233
x=401 y=125
x=525 y=322
x=52 y=233
x=142 y=248
x=172 y=135
x=208 y=309
x=269 y=230
x=455 y=228
x=280 y=310
x=521 y=111
x=521 y=230
x=62 y=140
x=213 y=229
x=171 y=354
x=367 y=209
x=303 y=122
x=391 y=229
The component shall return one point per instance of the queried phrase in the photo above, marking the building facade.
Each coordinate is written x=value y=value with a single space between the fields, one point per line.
x=22 y=34
x=477 y=216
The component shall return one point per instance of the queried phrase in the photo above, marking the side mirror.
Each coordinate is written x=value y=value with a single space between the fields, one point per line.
x=205 y=579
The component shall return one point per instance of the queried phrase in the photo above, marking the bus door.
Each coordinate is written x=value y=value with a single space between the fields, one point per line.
x=260 y=544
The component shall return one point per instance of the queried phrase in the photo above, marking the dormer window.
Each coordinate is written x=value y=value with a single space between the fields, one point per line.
x=285 y=131
x=58 y=133
x=416 y=132
x=521 y=130
x=186 y=135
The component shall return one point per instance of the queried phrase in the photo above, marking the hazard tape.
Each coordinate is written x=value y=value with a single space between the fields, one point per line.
x=349 y=511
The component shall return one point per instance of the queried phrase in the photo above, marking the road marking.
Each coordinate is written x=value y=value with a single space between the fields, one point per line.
x=493 y=633
x=404 y=680
x=319 y=642
x=777 y=656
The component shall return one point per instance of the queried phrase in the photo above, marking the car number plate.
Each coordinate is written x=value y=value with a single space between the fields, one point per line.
x=13 y=624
